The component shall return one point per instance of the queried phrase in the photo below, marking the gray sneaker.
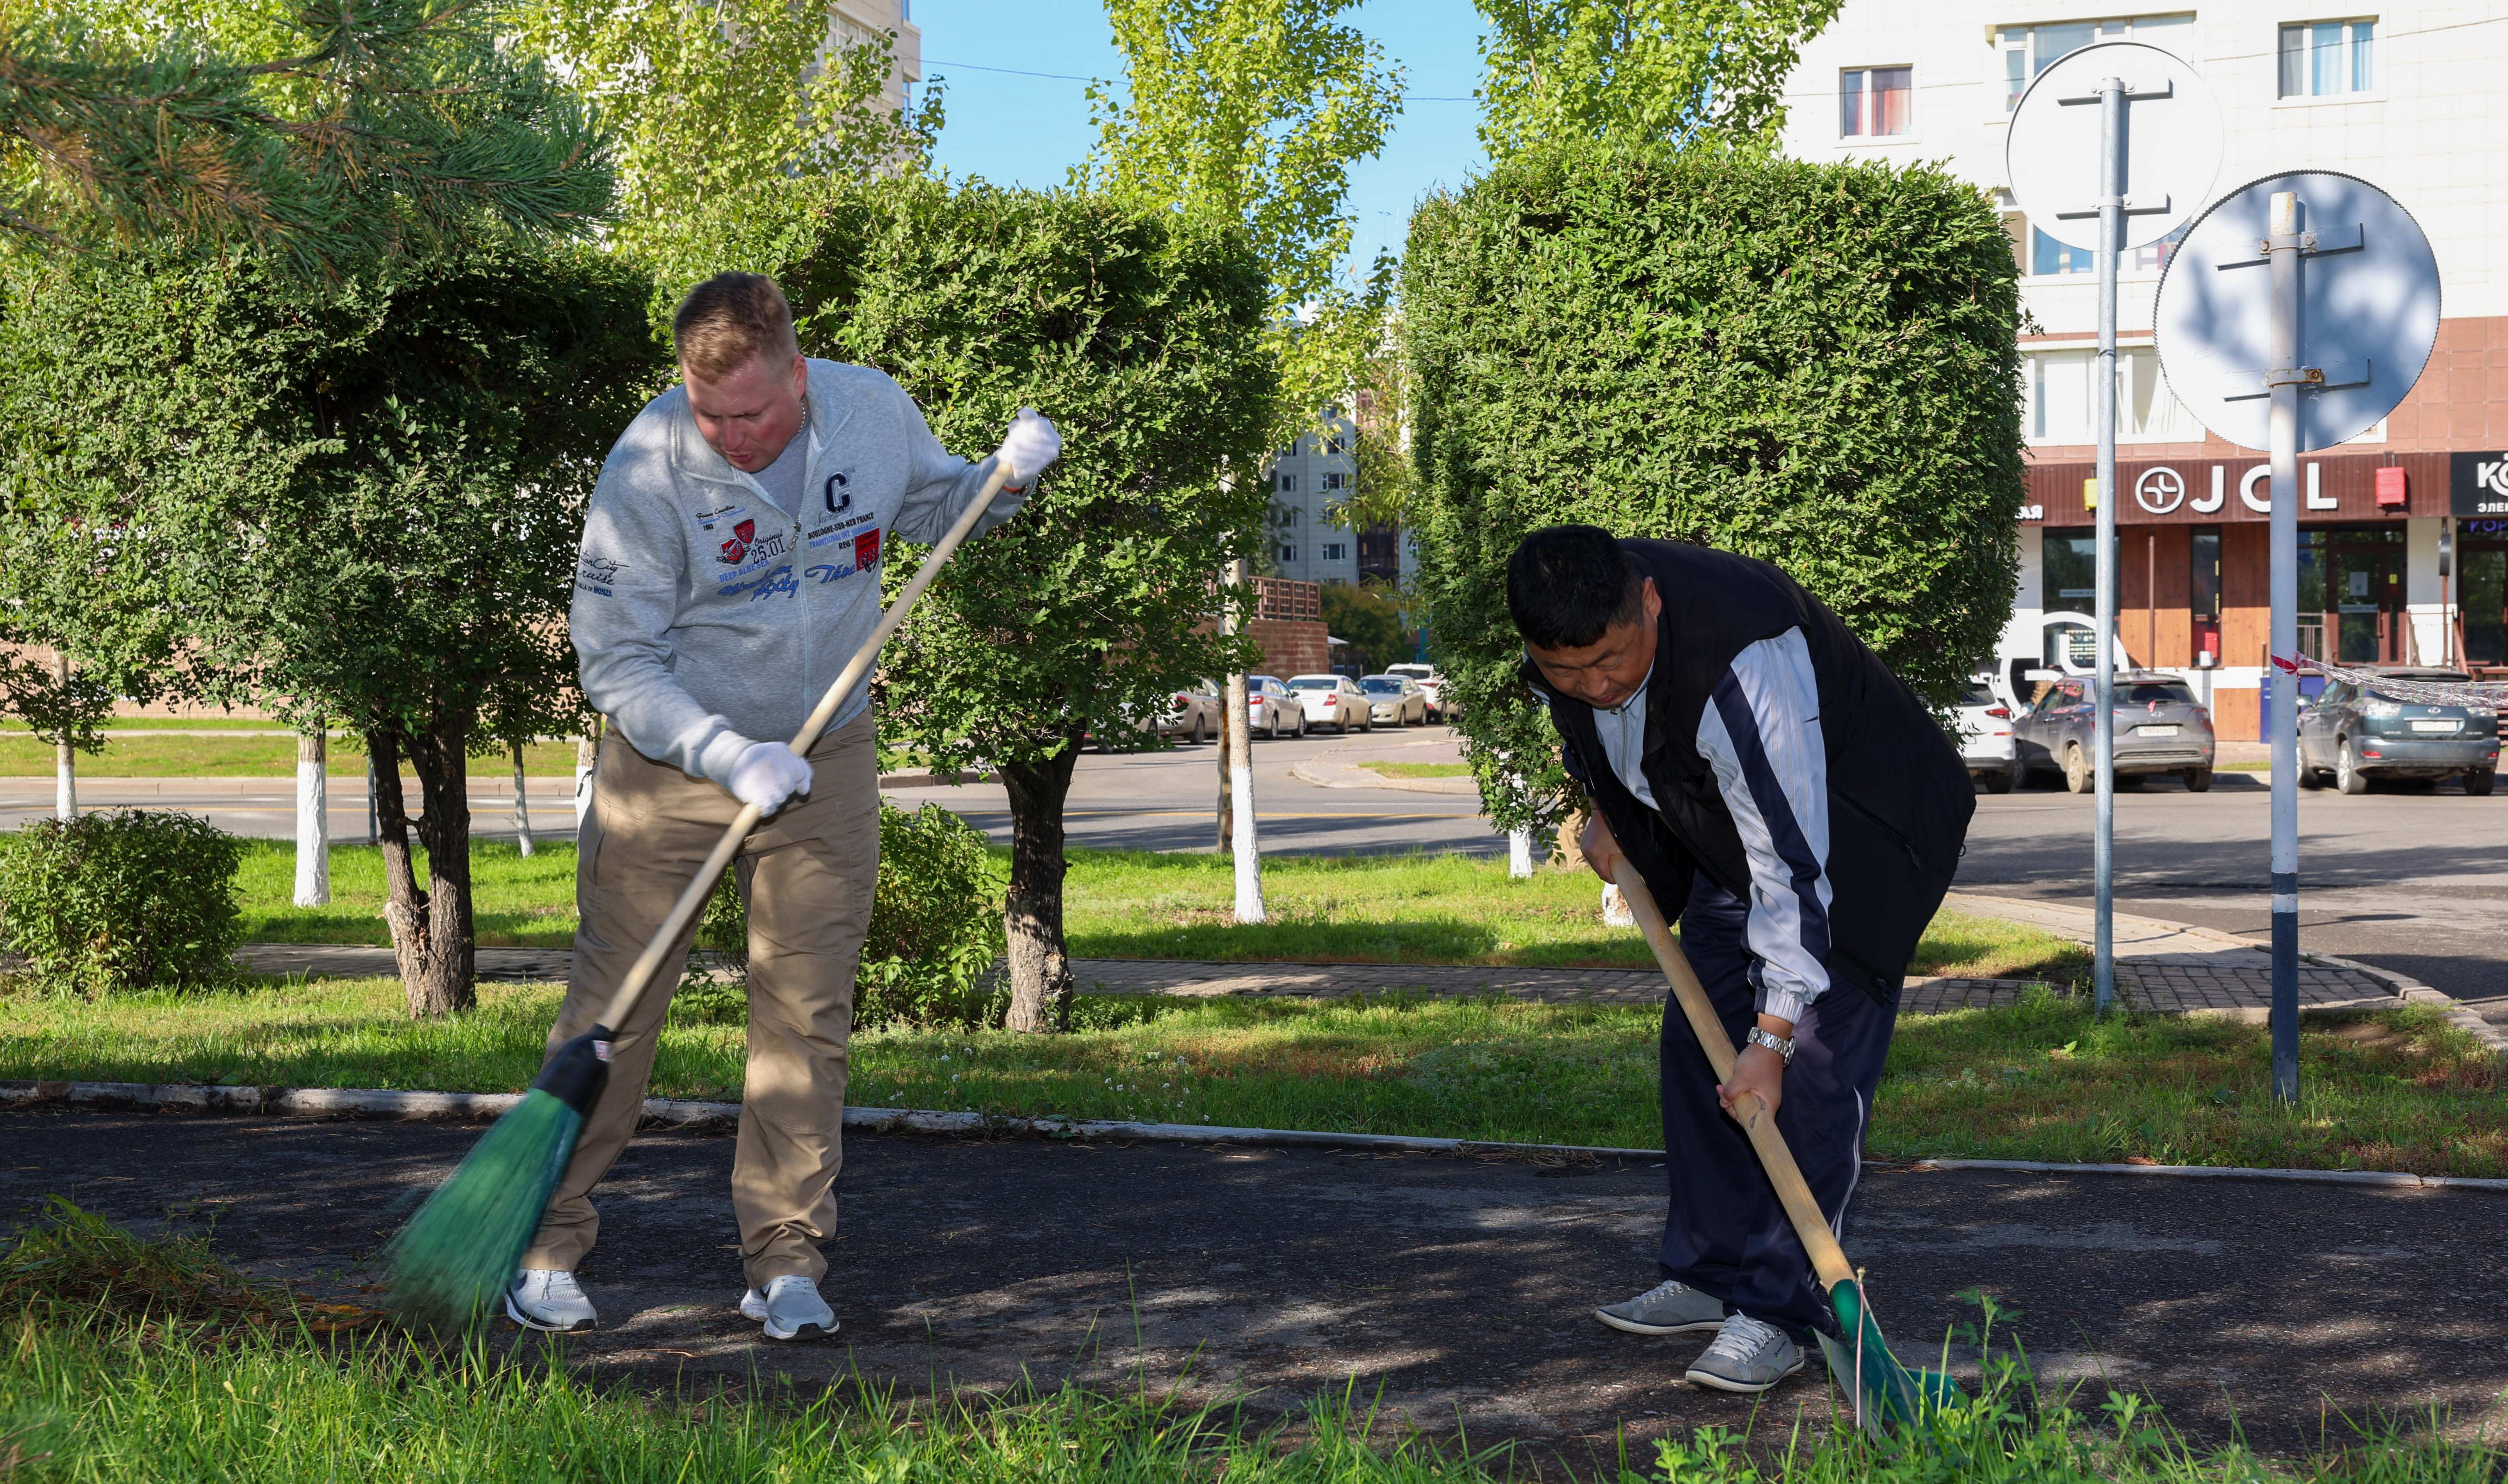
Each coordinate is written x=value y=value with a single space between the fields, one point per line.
x=1745 y=1355
x=791 y=1308
x=1669 y=1308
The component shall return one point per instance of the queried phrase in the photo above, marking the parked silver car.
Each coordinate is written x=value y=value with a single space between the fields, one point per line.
x=1334 y=701
x=2356 y=734
x=1272 y=709
x=1433 y=685
x=2160 y=728
x=1190 y=715
x=1397 y=700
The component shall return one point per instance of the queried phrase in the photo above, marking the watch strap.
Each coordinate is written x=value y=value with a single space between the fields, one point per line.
x=1782 y=1046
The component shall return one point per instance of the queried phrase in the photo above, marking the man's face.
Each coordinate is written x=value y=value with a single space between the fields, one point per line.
x=1606 y=673
x=751 y=413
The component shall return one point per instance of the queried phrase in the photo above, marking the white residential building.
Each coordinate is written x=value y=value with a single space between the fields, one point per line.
x=2406 y=96
x=1317 y=472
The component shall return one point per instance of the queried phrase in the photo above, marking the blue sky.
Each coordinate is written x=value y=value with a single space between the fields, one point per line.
x=1029 y=130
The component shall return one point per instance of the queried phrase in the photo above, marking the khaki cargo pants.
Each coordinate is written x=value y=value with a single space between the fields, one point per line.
x=808 y=874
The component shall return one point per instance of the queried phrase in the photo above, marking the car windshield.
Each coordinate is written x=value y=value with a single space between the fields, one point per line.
x=2149 y=692
x=1978 y=694
x=1380 y=686
x=1314 y=682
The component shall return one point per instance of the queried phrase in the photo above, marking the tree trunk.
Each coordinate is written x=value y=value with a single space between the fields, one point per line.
x=313 y=816
x=522 y=804
x=1227 y=815
x=431 y=930
x=1040 y=961
x=587 y=753
x=64 y=760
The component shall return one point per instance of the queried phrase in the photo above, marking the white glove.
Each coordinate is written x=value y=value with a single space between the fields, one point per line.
x=1028 y=447
x=767 y=774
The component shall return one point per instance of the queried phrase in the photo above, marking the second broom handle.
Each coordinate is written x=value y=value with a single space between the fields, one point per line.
x=692 y=899
x=1827 y=1258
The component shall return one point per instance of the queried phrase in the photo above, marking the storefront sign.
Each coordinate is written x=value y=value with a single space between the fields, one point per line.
x=2477 y=485
x=2337 y=487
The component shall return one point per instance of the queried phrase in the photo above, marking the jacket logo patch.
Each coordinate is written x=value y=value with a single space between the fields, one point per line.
x=836 y=530
x=595 y=574
x=839 y=496
x=707 y=520
x=765 y=585
x=867 y=550
x=747 y=545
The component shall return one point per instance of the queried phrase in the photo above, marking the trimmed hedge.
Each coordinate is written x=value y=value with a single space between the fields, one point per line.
x=1811 y=365
x=120 y=899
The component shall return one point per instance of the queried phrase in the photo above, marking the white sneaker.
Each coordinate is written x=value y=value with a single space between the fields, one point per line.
x=548 y=1299
x=1747 y=1355
x=791 y=1308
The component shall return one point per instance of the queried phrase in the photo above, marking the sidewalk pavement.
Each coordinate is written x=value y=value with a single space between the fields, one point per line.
x=2164 y=967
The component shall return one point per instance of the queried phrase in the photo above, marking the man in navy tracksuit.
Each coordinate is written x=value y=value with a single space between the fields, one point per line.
x=1801 y=813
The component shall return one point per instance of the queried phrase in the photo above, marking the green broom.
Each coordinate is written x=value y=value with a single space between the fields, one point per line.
x=1886 y=1393
x=459 y=1252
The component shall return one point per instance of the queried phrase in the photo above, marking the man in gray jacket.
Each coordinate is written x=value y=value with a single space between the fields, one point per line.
x=730 y=569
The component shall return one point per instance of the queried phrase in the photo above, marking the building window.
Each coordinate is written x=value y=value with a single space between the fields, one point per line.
x=1335 y=481
x=1334 y=551
x=2049 y=257
x=1288 y=553
x=2030 y=49
x=2062 y=407
x=1335 y=444
x=2070 y=572
x=1288 y=483
x=1875 y=102
x=2327 y=59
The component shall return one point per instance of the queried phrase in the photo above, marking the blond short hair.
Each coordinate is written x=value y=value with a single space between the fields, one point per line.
x=729 y=320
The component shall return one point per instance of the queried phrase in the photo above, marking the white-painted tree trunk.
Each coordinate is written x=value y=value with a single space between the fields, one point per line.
x=1519 y=853
x=1615 y=908
x=1247 y=847
x=522 y=803
x=587 y=751
x=313 y=817
x=64 y=760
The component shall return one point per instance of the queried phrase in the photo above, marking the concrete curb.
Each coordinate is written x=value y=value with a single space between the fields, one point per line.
x=1322 y=771
x=932 y=780
x=2414 y=991
x=723 y=1117
x=2379 y=1178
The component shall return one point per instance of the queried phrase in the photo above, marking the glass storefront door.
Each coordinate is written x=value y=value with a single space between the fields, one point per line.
x=2364 y=594
x=2481 y=595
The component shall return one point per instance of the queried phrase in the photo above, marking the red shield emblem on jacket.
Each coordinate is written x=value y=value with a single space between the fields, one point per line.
x=737 y=548
x=866 y=550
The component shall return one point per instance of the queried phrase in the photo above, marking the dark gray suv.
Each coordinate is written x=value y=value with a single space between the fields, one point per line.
x=2356 y=734
x=2160 y=728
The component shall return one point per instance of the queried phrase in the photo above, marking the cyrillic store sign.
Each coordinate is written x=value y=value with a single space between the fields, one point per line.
x=2478 y=486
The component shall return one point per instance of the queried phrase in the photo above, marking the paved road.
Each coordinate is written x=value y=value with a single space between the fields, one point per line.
x=1464 y=1286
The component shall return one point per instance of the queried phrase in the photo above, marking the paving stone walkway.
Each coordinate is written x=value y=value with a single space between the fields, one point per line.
x=2162 y=966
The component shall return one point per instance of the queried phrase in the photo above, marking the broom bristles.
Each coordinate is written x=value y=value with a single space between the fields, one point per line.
x=459 y=1253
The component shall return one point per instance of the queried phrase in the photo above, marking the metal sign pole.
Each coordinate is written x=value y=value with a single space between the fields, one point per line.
x=2112 y=101
x=2282 y=250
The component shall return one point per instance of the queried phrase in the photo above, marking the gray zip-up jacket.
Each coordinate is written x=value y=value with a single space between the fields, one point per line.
x=704 y=617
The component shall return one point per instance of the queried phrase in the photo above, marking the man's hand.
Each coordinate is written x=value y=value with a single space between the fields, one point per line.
x=1601 y=852
x=767 y=774
x=1759 y=1071
x=1027 y=448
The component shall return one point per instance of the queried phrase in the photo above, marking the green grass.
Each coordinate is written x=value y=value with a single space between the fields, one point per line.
x=194 y=1373
x=1392 y=769
x=2043 y=1080
x=138 y=755
x=1139 y=904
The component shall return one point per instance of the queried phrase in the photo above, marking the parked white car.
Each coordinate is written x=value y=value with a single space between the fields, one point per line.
x=1334 y=701
x=1983 y=718
x=1431 y=683
x=1396 y=700
x=1272 y=709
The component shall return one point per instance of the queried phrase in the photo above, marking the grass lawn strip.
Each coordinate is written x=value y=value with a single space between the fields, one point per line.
x=136 y=755
x=1137 y=904
x=149 y=1360
x=1392 y=769
x=2044 y=1080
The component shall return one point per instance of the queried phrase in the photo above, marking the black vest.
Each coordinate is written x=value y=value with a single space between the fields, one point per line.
x=1899 y=795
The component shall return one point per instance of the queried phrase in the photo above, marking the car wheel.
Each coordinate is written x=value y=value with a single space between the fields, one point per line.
x=2077 y=770
x=2310 y=777
x=2001 y=782
x=2199 y=780
x=2478 y=782
x=1193 y=733
x=2348 y=776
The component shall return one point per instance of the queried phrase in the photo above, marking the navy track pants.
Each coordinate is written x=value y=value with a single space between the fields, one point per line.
x=1725 y=1235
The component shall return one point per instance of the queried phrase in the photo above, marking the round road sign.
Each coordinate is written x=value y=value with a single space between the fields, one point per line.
x=2172 y=144
x=2367 y=309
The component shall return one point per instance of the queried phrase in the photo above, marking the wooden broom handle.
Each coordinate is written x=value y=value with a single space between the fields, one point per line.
x=693 y=898
x=1828 y=1259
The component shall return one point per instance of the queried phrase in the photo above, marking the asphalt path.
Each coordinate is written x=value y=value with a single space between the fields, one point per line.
x=1462 y=1287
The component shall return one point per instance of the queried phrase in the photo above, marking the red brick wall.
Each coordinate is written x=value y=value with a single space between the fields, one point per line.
x=1292 y=646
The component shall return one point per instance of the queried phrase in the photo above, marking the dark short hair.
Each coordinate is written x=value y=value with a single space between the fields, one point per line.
x=728 y=320
x=1566 y=584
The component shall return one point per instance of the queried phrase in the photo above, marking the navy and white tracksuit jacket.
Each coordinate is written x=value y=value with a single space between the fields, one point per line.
x=1801 y=813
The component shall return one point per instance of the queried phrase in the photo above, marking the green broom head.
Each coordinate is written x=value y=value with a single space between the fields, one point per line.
x=1887 y=1395
x=459 y=1253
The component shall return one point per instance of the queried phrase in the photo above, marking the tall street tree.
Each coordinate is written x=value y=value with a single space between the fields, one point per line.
x=315 y=133
x=1642 y=70
x=360 y=503
x=1141 y=331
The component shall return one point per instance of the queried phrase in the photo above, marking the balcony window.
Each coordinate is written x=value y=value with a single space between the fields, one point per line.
x=1334 y=551
x=1876 y=102
x=1288 y=483
x=2030 y=49
x=1288 y=553
x=2328 y=58
x=2062 y=409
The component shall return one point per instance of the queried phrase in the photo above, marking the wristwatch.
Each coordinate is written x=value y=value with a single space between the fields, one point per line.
x=1782 y=1046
